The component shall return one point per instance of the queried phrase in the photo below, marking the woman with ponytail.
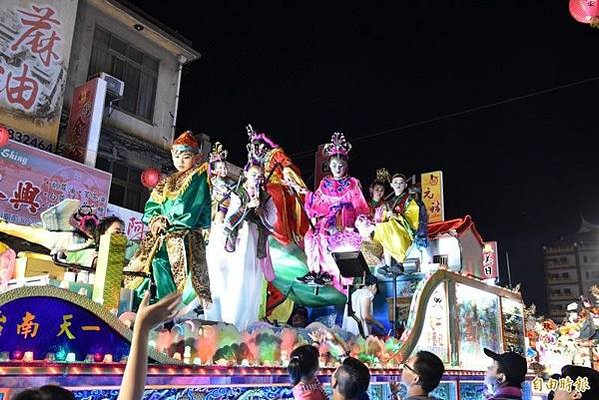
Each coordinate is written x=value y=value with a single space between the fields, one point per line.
x=302 y=369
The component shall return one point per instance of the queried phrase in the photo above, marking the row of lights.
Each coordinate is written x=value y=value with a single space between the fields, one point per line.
x=61 y=356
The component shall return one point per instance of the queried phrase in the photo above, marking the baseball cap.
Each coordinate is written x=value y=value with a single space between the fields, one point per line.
x=513 y=365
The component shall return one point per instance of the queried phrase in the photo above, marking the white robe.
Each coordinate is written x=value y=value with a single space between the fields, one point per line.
x=237 y=282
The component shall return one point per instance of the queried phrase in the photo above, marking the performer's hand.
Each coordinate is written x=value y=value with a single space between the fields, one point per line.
x=149 y=316
x=254 y=203
x=158 y=225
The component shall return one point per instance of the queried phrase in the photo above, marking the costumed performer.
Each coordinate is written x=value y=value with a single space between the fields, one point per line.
x=247 y=264
x=282 y=176
x=377 y=194
x=334 y=207
x=404 y=223
x=177 y=211
x=221 y=199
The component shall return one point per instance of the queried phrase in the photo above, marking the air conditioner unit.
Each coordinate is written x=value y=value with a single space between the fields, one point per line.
x=114 y=87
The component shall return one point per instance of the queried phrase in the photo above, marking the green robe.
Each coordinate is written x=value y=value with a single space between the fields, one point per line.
x=179 y=264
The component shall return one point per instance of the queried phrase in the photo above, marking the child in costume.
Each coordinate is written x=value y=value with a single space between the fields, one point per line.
x=377 y=194
x=245 y=264
x=176 y=212
x=334 y=207
x=404 y=222
x=279 y=171
x=221 y=199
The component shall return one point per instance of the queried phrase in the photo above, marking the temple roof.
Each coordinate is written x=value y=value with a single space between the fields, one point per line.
x=459 y=226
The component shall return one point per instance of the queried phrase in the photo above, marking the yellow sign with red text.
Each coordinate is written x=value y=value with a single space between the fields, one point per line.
x=432 y=195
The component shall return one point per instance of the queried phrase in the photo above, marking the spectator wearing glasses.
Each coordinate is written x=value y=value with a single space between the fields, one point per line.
x=421 y=374
x=505 y=376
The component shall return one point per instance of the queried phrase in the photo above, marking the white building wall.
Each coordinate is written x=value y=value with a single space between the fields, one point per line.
x=158 y=132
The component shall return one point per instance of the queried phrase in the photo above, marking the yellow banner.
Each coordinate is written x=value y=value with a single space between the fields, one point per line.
x=432 y=195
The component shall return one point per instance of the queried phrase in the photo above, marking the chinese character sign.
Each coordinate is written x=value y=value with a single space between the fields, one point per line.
x=50 y=324
x=85 y=120
x=36 y=44
x=490 y=261
x=432 y=195
x=134 y=227
x=33 y=180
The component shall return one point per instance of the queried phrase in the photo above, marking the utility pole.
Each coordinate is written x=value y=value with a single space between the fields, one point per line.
x=509 y=273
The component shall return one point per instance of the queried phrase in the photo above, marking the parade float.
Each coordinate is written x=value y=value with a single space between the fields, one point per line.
x=69 y=326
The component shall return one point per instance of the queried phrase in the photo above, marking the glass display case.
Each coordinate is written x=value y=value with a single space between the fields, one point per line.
x=479 y=325
x=513 y=326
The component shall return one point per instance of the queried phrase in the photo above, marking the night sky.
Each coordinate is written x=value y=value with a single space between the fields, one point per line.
x=525 y=169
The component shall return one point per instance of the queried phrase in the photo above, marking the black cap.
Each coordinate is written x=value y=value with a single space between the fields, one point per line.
x=513 y=365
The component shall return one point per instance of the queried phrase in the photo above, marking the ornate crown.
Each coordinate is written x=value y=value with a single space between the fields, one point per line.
x=186 y=142
x=382 y=175
x=257 y=152
x=218 y=153
x=254 y=136
x=338 y=146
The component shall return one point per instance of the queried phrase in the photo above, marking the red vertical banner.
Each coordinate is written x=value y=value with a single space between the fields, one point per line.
x=85 y=120
x=321 y=166
x=490 y=261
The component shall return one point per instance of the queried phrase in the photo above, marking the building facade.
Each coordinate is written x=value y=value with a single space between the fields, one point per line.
x=571 y=268
x=137 y=129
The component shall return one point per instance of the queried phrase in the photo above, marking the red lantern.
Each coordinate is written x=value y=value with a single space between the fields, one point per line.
x=585 y=11
x=4 y=136
x=150 y=177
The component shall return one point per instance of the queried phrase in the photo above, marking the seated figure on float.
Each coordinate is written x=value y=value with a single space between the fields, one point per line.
x=334 y=207
x=403 y=224
x=177 y=212
x=377 y=191
x=70 y=231
x=282 y=178
x=245 y=264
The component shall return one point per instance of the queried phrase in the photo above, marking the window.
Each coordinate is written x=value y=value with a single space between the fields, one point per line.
x=139 y=71
x=585 y=259
x=565 y=275
x=126 y=189
x=567 y=291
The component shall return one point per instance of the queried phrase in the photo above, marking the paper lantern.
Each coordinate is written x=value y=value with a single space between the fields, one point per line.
x=4 y=136
x=585 y=11
x=150 y=177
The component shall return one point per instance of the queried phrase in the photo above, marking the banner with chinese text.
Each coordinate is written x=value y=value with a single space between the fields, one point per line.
x=57 y=322
x=432 y=195
x=490 y=261
x=134 y=227
x=36 y=43
x=33 y=180
x=85 y=121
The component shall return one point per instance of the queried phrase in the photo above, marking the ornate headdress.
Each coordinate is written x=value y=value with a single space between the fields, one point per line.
x=382 y=177
x=338 y=146
x=254 y=136
x=186 y=142
x=257 y=152
x=218 y=153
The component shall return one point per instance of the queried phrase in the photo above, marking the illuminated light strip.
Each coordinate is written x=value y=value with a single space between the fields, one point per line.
x=90 y=328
